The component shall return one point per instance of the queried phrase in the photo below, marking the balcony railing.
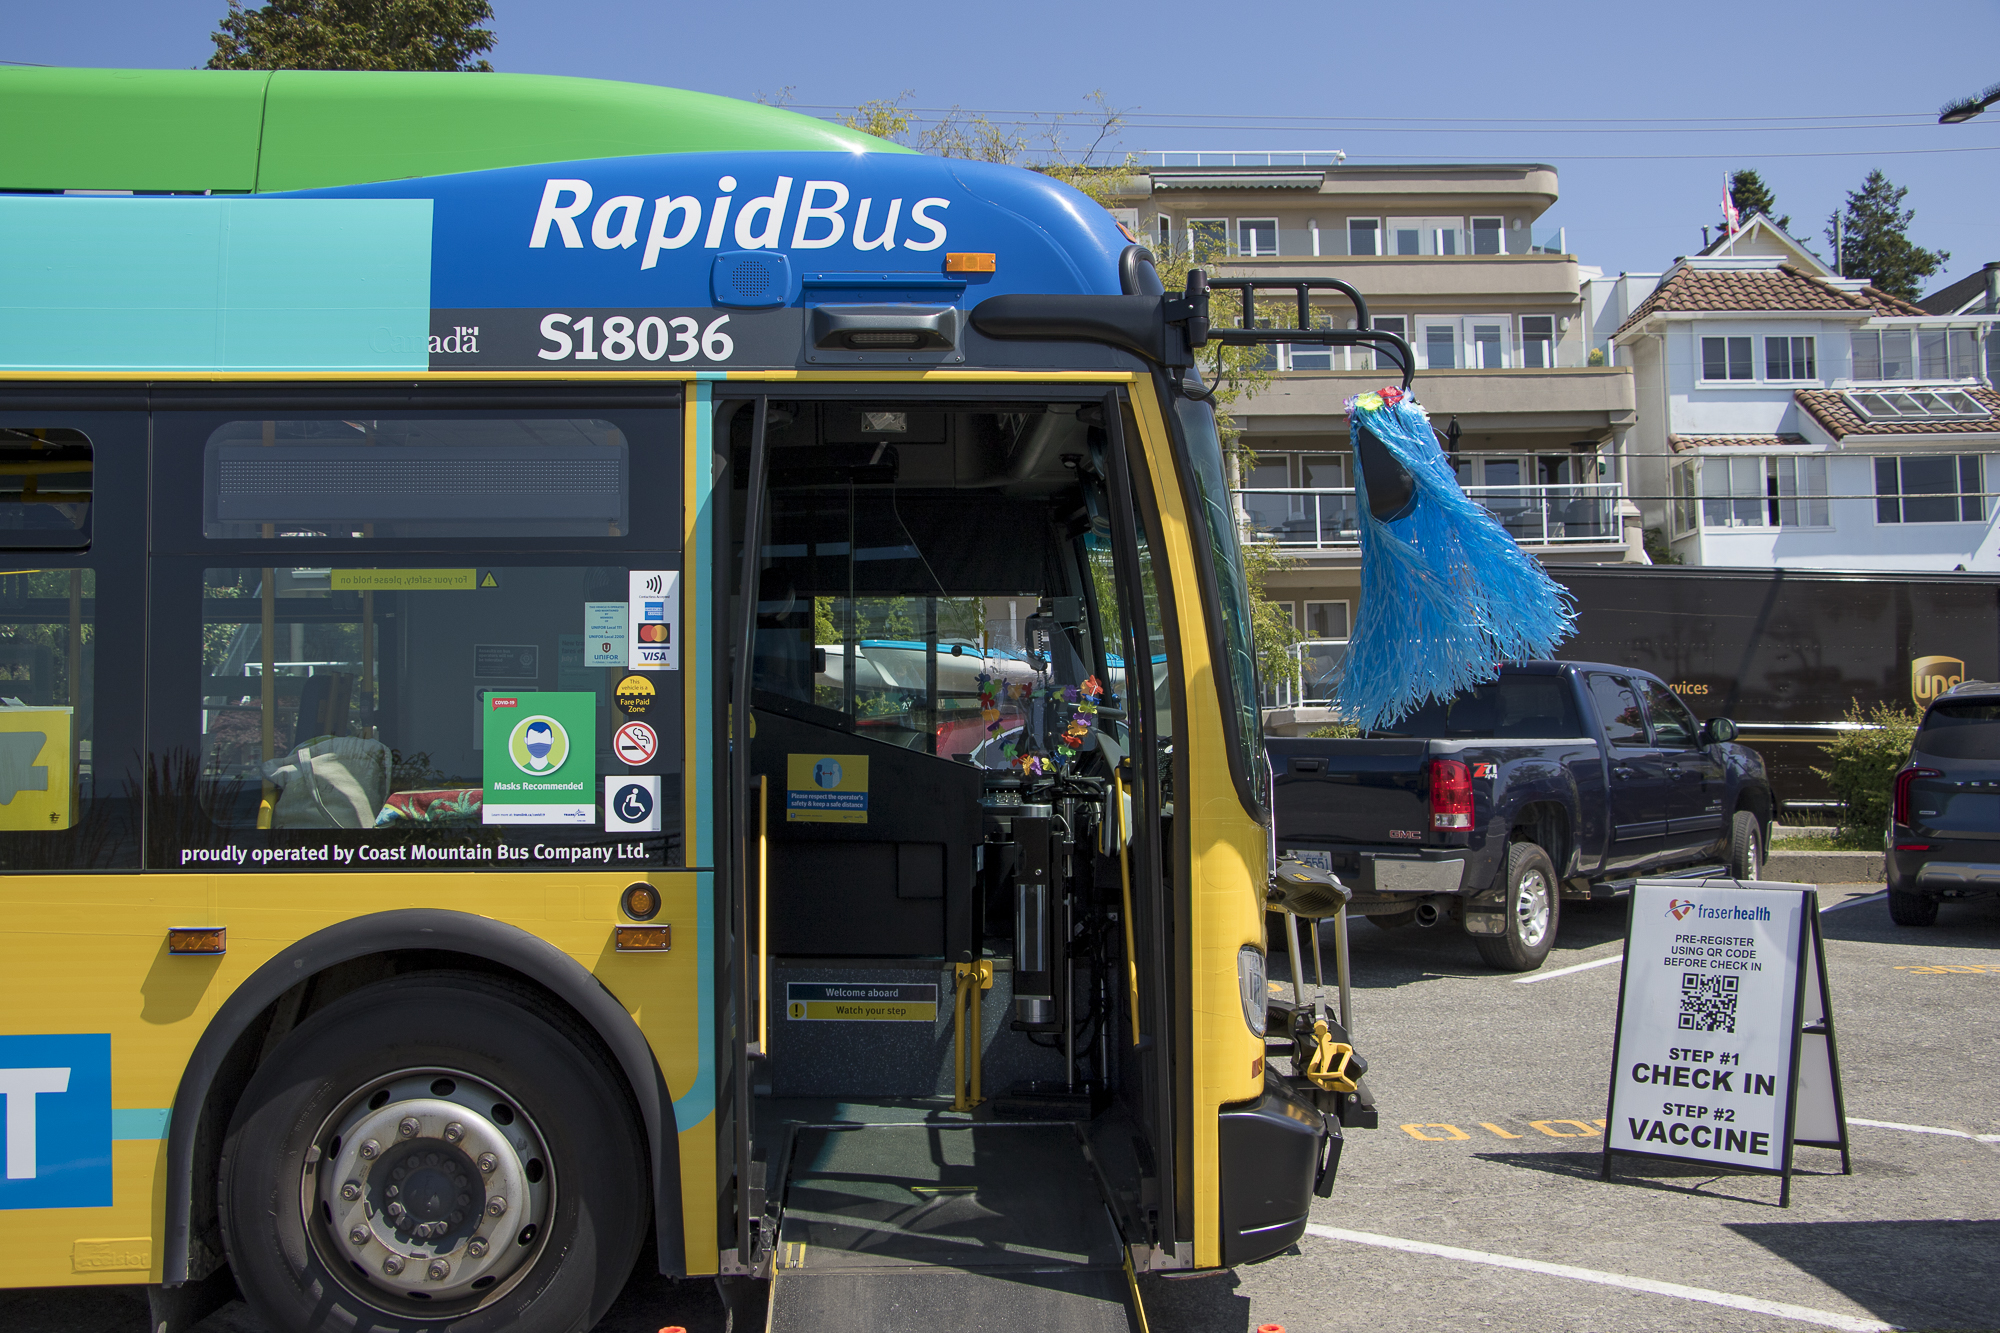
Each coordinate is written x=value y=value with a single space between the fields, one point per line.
x=1319 y=675
x=1534 y=515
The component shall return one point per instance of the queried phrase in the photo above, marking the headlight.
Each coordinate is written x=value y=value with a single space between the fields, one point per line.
x=1250 y=980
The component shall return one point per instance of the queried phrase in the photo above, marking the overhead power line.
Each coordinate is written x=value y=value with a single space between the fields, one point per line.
x=1136 y=116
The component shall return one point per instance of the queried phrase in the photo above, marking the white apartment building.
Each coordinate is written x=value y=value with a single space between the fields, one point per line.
x=1791 y=418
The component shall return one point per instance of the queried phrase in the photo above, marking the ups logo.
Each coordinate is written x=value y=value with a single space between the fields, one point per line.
x=1932 y=676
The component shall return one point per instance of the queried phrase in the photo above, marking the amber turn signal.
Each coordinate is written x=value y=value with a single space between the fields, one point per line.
x=641 y=901
x=198 y=939
x=970 y=263
x=636 y=939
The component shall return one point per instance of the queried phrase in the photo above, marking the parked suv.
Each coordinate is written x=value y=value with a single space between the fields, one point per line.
x=1944 y=814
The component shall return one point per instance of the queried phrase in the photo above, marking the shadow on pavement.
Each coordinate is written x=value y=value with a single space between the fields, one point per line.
x=1206 y=1302
x=1648 y=1173
x=1385 y=959
x=1962 y=923
x=1871 y=1263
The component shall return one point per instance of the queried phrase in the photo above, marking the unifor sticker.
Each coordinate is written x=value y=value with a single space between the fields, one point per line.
x=540 y=758
x=826 y=788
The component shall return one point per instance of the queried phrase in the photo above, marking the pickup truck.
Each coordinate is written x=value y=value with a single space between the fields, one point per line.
x=1556 y=780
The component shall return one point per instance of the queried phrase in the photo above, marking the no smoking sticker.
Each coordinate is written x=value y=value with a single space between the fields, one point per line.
x=636 y=743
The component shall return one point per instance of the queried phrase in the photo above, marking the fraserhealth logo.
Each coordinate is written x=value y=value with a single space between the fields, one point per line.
x=55 y=1129
x=1679 y=908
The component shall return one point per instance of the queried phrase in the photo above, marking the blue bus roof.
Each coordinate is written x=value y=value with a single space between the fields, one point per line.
x=465 y=271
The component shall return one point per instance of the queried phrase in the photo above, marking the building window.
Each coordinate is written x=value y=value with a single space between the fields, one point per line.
x=1164 y=227
x=1882 y=354
x=1790 y=359
x=1964 y=349
x=1364 y=236
x=1797 y=487
x=1383 y=358
x=1488 y=236
x=1686 y=511
x=1726 y=359
x=1538 y=341
x=1208 y=238
x=1326 y=620
x=1323 y=472
x=1733 y=492
x=1917 y=405
x=1441 y=346
x=1427 y=236
x=1257 y=236
x=1934 y=488
x=1488 y=343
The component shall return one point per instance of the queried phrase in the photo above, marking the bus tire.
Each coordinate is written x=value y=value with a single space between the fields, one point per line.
x=448 y=1092
x=1533 y=910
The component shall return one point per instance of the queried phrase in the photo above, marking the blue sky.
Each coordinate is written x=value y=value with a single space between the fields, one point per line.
x=1642 y=108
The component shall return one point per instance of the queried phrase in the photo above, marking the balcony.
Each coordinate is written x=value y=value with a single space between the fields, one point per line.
x=1546 y=516
x=1319 y=676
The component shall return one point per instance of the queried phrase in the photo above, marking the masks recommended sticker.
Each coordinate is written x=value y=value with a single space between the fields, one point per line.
x=826 y=788
x=654 y=612
x=632 y=804
x=540 y=758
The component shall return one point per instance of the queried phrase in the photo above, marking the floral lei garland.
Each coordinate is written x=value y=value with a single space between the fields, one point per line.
x=1080 y=700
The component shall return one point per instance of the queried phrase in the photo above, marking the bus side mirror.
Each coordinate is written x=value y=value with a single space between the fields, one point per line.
x=1718 y=731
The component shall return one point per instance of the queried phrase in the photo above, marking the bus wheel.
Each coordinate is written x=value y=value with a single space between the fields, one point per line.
x=435 y=1148
x=1533 y=904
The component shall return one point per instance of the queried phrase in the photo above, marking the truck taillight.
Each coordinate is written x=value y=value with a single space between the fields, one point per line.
x=1904 y=780
x=1451 y=794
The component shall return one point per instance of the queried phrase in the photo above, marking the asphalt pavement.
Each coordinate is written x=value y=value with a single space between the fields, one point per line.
x=1477 y=1204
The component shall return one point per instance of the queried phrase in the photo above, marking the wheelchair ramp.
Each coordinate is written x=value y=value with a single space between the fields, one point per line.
x=914 y=1228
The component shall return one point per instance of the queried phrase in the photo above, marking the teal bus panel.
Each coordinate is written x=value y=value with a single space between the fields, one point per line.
x=194 y=284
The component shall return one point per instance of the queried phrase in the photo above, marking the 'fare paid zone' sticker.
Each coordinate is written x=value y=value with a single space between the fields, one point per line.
x=812 y=1001
x=826 y=788
x=540 y=758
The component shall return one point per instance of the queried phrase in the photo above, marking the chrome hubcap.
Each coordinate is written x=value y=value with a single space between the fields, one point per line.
x=428 y=1188
x=1531 y=908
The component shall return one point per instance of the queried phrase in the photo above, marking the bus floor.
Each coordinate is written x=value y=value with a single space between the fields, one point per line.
x=898 y=1217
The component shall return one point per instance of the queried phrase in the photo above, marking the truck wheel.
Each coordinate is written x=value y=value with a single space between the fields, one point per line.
x=436 y=1149
x=1746 y=847
x=1534 y=906
x=1912 y=909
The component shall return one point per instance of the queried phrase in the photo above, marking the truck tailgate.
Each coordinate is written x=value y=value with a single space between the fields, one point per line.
x=1370 y=791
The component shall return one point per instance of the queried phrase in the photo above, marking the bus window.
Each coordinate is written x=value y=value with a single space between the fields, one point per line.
x=47 y=644
x=45 y=488
x=435 y=714
x=433 y=477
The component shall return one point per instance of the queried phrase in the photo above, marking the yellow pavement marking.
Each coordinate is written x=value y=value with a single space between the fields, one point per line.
x=1579 y=1129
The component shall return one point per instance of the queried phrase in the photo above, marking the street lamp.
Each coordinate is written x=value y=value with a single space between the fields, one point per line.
x=1965 y=108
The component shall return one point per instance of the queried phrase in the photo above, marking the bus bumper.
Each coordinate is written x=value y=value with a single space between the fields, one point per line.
x=1270 y=1158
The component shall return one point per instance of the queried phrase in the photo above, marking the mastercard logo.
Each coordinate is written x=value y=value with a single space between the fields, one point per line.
x=654 y=634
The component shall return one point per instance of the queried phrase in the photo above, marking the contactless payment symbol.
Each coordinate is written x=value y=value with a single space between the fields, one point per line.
x=632 y=804
x=538 y=744
x=653 y=604
x=636 y=743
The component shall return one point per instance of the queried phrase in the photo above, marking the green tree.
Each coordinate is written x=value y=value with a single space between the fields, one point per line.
x=355 y=34
x=1874 y=240
x=1862 y=764
x=1751 y=197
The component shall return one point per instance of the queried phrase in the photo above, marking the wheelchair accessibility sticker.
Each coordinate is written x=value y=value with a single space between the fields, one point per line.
x=55 y=1130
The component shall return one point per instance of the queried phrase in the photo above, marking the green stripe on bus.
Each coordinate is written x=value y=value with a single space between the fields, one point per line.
x=144 y=1122
x=215 y=284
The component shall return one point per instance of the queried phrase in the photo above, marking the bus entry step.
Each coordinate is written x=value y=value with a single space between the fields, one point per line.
x=914 y=1228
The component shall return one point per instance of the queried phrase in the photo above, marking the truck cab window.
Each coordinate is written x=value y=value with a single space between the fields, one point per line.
x=1674 y=727
x=1618 y=706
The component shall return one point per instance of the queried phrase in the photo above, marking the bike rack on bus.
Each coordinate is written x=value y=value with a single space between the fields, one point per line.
x=1363 y=334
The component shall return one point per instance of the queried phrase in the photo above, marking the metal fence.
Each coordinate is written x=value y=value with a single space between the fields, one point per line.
x=1534 y=515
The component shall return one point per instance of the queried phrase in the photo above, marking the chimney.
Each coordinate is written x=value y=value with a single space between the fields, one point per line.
x=1993 y=287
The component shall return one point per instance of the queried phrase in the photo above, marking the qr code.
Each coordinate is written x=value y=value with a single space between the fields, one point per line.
x=1708 y=1004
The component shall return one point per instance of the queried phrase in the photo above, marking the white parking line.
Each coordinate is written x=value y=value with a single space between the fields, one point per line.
x=1802 y=1313
x=1855 y=902
x=1565 y=971
x=1926 y=1129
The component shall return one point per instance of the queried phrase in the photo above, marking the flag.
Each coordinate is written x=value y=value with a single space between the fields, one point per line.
x=1729 y=214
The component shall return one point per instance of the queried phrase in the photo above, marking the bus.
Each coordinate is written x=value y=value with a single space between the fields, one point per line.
x=477 y=853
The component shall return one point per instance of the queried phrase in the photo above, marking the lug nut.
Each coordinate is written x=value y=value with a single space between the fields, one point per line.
x=413 y=1161
x=495 y=1206
x=370 y=1149
x=394 y=1192
x=410 y=1127
x=358 y=1235
x=396 y=1211
x=454 y=1132
x=439 y=1270
x=456 y=1217
x=393 y=1265
x=476 y=1247
x=351 y=1190
x=488 y=1163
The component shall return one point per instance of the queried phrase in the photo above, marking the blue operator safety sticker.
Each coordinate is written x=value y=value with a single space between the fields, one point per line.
x=55 y=1128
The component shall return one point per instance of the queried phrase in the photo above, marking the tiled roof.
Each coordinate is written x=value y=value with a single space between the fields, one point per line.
x=1837 y=417
x=1783 y=289
x=1682 y=443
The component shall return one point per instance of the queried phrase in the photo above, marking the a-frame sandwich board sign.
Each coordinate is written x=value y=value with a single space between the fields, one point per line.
x=1725 y=1051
